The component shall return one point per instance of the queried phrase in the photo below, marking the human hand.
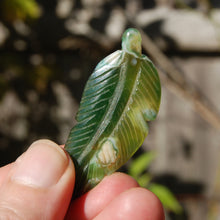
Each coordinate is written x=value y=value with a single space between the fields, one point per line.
x=39 y=185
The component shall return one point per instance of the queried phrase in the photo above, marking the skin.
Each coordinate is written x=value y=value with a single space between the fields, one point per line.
x=39 y=185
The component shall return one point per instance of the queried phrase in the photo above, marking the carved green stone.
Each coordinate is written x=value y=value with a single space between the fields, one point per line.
x=120 y=97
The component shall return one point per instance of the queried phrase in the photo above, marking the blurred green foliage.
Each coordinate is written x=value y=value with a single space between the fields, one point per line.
x=137 y=169
x=20 y=9
x=166 y=197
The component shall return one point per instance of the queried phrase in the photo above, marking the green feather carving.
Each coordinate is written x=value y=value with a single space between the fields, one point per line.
x=120 y=97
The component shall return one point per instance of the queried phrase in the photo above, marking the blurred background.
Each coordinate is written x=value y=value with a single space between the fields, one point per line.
x=48 y=49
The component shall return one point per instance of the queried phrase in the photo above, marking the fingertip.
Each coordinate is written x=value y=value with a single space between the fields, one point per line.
x=136 y=203
x=42 y=165
x=45 y=173
x=90 y=204
x=152 y=207
x=121 y=180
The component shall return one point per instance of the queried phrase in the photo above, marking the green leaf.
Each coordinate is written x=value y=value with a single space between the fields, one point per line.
x=144 y=179
x=140 y=164
x=166 y=197
x=20 y=9
x=121 y=95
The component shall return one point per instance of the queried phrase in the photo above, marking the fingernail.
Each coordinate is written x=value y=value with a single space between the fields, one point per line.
x=42 y=165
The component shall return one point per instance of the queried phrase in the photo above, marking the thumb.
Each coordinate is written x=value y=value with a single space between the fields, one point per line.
x=39 y=184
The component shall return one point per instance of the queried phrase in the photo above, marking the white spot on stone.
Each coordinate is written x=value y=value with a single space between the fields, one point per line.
x=107 y=155
x=134 y=61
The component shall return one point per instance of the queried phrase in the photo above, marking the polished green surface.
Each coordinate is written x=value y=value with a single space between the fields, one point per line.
x=121 y=95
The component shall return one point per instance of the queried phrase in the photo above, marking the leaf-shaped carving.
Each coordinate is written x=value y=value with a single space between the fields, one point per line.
x=121 y=95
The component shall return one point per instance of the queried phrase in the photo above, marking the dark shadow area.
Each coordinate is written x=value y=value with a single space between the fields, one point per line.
x=10 y=149
x=187 y=149
x=99 y=23
x=182 y=216
x=186 y=3
x=178 y=186
x=148 y=4
x=183 y=190
x=154 y=31
x=215 y=3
